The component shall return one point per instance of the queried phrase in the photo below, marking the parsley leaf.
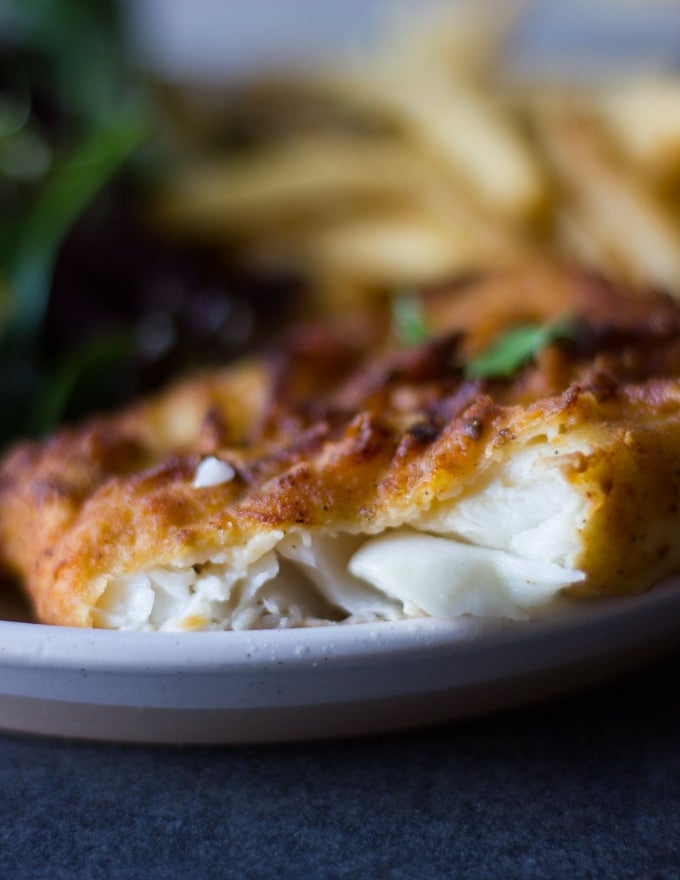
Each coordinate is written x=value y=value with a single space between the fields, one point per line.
x=516 y=347
x=408 y=320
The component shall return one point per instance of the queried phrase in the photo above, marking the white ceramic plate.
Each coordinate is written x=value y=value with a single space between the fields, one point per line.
x=318 y=682
x=273 y=686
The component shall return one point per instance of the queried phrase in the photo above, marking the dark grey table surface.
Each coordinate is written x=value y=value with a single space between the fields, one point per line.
x=586 y=786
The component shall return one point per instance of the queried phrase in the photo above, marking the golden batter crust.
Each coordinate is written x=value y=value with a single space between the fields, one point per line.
x=343 y=429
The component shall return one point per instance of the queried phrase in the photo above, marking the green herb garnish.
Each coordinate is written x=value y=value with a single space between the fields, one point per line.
x=408 y=319
x=516 y=348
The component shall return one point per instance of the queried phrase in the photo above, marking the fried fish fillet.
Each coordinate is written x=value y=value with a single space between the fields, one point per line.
x=348 y=477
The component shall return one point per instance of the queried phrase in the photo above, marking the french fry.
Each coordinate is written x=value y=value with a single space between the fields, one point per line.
x=464 y=39
x=384 y=249
x=643 y=118
x=479 y=146
x=629 y=232
x=392 y=250
x=411 y=165
x=309 y=177
x=482 y=148
x=300 y=176
x=307 y=183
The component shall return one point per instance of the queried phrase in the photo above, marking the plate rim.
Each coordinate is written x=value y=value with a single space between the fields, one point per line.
x=352 y=679
x=46 y=646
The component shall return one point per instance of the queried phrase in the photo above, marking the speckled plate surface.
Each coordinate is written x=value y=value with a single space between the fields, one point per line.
x=269 y=686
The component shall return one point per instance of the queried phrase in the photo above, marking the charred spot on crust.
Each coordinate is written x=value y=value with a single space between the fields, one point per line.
x=434 y=360
x=367 y=436
x=473 y=428
x=425 y=432
x=603 y=386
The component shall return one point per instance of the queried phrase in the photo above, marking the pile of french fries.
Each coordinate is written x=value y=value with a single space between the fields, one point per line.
x=425 y=161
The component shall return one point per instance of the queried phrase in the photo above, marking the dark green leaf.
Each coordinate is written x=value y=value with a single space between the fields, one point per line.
x=515 y=348
x=30 y=255
x=79 y=43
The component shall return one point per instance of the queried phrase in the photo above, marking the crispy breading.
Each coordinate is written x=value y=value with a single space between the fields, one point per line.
x=343 y=430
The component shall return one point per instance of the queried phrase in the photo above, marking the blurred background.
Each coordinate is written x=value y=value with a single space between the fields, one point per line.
x=181 y=179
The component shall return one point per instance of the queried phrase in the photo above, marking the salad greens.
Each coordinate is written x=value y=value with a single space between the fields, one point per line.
x=74 y=181
x=70 y=117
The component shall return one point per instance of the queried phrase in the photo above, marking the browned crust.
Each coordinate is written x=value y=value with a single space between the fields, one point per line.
x=342 y=429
